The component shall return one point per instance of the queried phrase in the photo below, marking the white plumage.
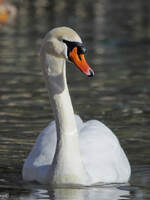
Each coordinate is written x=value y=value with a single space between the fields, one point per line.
x=76 y=152
x=103 y=157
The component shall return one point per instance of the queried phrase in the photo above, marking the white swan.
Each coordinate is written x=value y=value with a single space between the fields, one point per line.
x=73 y=151
x=8 y=12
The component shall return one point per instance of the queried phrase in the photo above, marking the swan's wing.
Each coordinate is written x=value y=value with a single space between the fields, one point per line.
x=103 y=157
x=43 y=150
x=41 y=156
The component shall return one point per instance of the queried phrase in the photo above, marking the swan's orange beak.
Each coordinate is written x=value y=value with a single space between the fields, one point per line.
x=80 y=62
x=3 y=17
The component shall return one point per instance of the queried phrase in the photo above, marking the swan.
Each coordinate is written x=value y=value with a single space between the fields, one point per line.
x=7 y=12
x=69 y=151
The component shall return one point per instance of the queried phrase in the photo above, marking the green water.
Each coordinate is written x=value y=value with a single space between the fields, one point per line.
x=117 y=38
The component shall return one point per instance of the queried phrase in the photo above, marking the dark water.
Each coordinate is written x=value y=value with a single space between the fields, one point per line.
x=117 y=35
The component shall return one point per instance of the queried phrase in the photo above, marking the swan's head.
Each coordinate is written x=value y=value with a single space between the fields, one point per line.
x=63 y=42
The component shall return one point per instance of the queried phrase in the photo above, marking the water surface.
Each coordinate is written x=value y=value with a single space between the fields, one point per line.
x=117 y=39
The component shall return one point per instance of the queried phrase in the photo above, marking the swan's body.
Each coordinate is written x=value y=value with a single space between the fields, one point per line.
x=70 y=151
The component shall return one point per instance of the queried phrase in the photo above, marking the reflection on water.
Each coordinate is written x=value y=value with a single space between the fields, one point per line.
x=117 y=37
x=106 y=193
x=87 y=194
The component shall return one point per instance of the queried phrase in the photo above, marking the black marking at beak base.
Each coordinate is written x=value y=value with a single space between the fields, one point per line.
x=81 y=49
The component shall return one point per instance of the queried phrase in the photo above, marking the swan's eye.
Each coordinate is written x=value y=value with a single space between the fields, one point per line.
x=81 y=49
x=71 y=45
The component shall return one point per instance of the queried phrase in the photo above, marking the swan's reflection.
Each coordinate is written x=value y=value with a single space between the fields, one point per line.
x=105 y=193
x=98 y=193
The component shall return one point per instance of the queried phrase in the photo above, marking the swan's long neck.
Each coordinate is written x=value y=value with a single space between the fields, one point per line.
x=67 y=166
x=61 y=102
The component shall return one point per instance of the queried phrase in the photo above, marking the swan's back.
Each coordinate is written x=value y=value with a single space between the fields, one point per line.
x=102 y=155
